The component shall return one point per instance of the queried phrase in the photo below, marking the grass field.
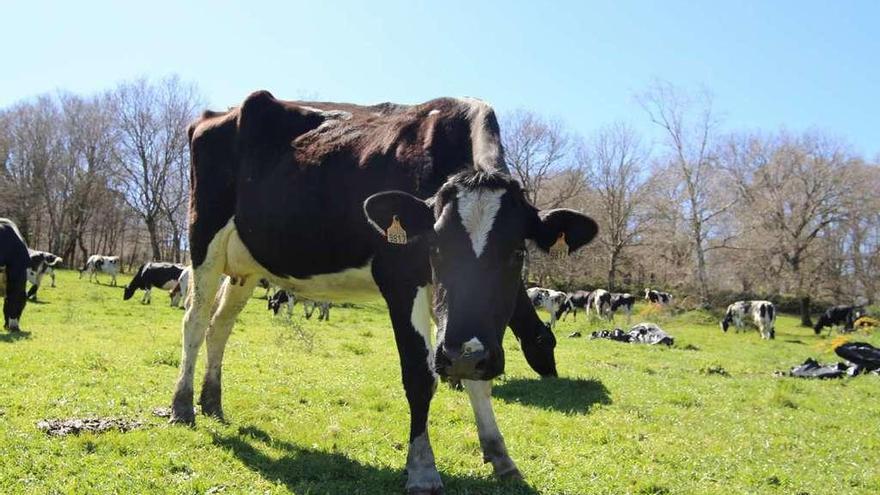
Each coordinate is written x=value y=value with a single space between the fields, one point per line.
x=327 y=415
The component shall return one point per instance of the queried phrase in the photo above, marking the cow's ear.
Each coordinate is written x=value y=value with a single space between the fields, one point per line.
x=563 y=231
x=399 y=217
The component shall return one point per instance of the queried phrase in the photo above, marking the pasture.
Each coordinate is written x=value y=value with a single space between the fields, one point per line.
x=326 y=414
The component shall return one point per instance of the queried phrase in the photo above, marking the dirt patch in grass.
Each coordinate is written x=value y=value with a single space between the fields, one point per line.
x=75 y=426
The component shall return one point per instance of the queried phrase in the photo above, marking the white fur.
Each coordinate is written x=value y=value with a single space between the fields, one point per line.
x=472 y=346
x=420 y=318
x=13 y=323
x=486 y=148
x=478 y=210
x=480 y=395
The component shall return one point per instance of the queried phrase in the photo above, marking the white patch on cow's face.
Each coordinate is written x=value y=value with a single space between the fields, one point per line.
x=477 y=210
x=472 y=346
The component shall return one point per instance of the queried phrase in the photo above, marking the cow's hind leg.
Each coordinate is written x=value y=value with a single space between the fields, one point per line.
x=233 y=299
x=204 y=283
x=491 y=441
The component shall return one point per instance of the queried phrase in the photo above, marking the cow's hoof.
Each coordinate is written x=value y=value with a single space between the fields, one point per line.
x=182 y=412
x=427 y=483
x=433 y=491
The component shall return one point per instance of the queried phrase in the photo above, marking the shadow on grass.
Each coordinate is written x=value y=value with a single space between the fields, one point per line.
x=305 y=470
x=14 y=336
x=569 y=395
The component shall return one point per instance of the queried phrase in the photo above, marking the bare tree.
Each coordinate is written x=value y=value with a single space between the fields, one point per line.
x=537 y=152
x=795 y=190
x=689 y=127
x=614 y=160
x=151 y=120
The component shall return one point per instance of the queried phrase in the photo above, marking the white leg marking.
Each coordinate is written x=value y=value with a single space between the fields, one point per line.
x=421 y=470
x=13 y=324
x=233 y=299
x=477 y=210
x=420 y=318
x=494 y=450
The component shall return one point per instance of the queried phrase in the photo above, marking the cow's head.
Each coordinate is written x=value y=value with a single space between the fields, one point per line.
x=476 y=233
x=129 y=291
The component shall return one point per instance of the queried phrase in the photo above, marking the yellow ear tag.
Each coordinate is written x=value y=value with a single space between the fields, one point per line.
x=559 y=249
x=395 y=233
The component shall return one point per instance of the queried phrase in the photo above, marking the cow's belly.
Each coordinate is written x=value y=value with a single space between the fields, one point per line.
x=349 y=284
x=169 y=284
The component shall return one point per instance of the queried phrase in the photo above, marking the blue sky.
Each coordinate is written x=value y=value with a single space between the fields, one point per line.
x=797 y=64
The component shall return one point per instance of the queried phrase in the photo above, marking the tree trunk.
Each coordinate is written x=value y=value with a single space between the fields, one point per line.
x=805 y=312
x=612 y=271
x=701 y=278
x=153 y=230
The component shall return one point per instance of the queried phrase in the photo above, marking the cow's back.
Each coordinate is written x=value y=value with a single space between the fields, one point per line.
x=294 y=175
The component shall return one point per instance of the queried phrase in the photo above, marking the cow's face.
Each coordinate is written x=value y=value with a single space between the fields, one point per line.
x=129 y=291
x=476 y=237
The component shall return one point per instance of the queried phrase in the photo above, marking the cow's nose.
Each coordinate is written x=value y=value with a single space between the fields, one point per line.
x=467 y=365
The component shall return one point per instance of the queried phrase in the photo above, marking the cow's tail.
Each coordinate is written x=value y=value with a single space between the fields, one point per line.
x=486 y=148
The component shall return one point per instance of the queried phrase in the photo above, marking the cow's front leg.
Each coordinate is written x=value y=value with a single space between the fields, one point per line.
x=410 y=308
x=491 y=441
x=233 y=300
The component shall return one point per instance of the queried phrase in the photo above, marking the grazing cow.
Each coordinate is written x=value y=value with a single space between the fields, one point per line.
x=600 y=302
x=154 y=274
x=323 y=308
x=624 y=301
x=180 y=290
x=98 y=263
x=41 y=264
x=553 y=301
x=14 y=262
x=579 y=299
x=282 y=298
x=760 y=314
x=293 y=192
x=657 y=297
x=844 y=316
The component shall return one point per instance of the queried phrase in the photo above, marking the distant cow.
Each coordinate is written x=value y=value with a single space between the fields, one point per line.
x=577 y=300
x=282 y=298
x=323 y=308
x=180 y=290
x=14 y=261
x=600 y=302
x=41 y=264
x=153 y=274
x=760 y=314
x=98 y=263
x=553 y=301
x=657 y=297
x=622 y=301
x=844 y=316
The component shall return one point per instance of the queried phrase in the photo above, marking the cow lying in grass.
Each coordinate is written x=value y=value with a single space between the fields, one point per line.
x=760 y=314
x=298 y=193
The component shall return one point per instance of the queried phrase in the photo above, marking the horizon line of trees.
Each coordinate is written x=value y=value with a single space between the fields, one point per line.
x=702 y=212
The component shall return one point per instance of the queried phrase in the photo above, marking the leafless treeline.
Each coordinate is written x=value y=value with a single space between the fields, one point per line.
x=699 y=212
x=703 y=212
x=106 y=173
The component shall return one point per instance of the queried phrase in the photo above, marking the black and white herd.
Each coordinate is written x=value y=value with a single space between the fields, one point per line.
x=326 y=200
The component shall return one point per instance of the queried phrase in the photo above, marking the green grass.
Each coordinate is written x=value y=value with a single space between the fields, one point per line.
x=320 y=409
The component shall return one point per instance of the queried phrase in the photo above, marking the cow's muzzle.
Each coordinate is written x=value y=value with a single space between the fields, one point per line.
x=480 y=364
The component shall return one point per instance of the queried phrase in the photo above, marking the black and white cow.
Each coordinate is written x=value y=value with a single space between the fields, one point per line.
x=553 y=301
x=657 y=297
x=760 y=314
x=323 y=308
x=152 y=274
x=180 y=290
x=843 y=316
x=600 y=301
x=579 y=299
x=622 y=301
x=293 y=192
x=14 y=261
x=41 y=264
x=282 y=298
x=98 y=263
